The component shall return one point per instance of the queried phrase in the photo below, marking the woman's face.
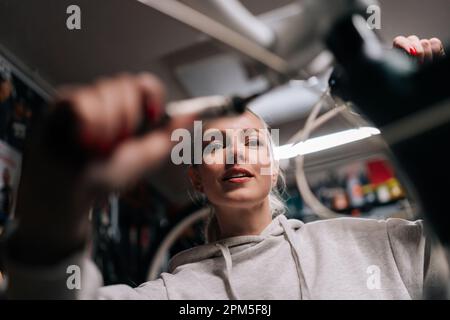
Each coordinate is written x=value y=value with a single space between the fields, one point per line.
x=236 y=167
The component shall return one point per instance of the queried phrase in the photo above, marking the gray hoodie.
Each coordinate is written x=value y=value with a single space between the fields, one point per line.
x=345 y=258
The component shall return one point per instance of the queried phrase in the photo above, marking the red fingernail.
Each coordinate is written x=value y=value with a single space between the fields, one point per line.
x=153 y=111
x=413 y=51
x=93 y=145
x=123 y=134
x=103 y=148
x=87 y=140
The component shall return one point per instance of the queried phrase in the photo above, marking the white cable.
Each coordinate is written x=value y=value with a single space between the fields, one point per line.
x=302 y=183
x=318 y=122
x=169 y=240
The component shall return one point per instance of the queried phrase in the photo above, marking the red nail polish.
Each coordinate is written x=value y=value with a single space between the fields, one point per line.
x=94 y=146
x=87 y=140
x=103 y=148
x=153 y=111
x=123 y=135
x=413 y=51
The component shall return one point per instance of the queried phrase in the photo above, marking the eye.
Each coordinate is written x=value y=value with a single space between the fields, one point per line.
x=254 y=142
x=214 y=145
x=217 y=144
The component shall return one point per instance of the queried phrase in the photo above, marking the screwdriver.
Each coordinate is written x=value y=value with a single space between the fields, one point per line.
x=62 y=132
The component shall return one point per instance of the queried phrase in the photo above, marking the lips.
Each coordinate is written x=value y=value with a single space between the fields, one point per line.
x=237 y=174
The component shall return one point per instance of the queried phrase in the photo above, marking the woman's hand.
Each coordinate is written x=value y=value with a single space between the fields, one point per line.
x=56 y=194
x=424 y=49
x=109 y=112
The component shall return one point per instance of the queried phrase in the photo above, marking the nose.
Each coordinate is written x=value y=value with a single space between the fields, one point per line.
x=235 y=152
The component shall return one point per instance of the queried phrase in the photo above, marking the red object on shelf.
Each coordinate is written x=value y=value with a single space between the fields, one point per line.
x=356 y=213
x=379 y=171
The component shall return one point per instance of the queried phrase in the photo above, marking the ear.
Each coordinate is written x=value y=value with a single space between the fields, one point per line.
x=195 y=178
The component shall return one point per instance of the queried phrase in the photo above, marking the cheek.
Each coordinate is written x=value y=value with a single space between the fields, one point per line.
x=261 y=161
x=213 y=158
x=265 y=183
x=210 y=174
x=262 y=165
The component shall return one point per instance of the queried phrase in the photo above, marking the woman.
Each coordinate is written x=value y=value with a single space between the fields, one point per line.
x=254 y=252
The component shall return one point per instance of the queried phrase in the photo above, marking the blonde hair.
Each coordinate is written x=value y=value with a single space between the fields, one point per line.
x=276 y=202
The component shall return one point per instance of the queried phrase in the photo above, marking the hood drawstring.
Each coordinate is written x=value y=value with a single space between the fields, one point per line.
x=287 y=231
x=229 y=265
x=290 y=238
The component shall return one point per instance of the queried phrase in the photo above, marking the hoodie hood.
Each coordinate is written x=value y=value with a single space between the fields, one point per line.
x=237 y=244
x=280 y=226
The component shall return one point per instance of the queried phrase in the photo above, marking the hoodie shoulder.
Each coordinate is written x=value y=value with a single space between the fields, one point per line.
x=398 y=232
x=344 y=225
x=192 y=255
x=393 y=225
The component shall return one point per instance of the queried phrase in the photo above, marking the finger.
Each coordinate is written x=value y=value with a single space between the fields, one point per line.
x=135 y=157
x=132 y=104
x=428 y=53
x=132 y=159
x=87 y=106
x=110 y=96
x=112 y=108
x=153 y=94
x=437 y=48
x=122 y=97
x=401 y=42
x=420 y=53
